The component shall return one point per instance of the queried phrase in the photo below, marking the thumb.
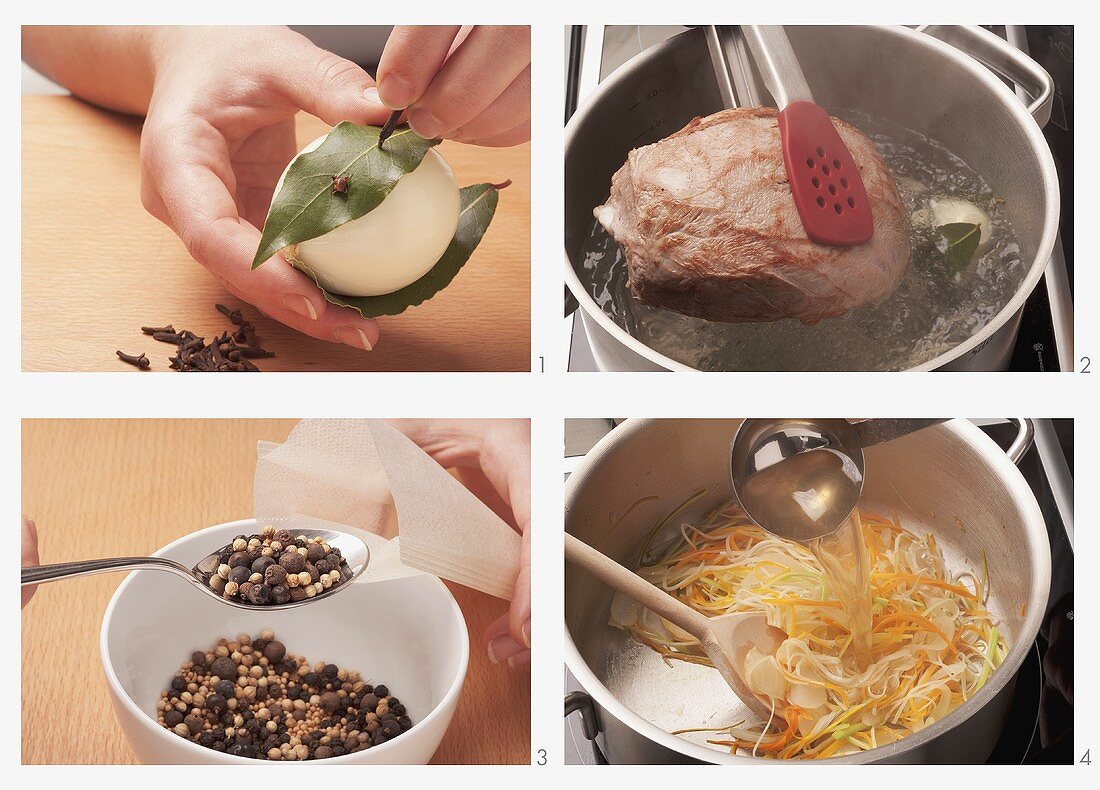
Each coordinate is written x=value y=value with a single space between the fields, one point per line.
x=328 y=86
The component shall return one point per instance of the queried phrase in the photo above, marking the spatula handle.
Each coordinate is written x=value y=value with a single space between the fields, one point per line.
x=635 y=587
x=778 y=66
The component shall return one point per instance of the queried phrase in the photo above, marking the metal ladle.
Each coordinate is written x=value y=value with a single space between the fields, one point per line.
x=800 y=479
x=352 y=549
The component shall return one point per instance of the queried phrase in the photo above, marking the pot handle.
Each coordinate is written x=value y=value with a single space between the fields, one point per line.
x=580 y=702
x=1002 y=59
x=1025 y=436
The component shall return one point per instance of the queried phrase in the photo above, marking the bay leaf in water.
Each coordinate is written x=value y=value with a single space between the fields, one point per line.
x=306 y=206
x=962 y=242
x=478 y=205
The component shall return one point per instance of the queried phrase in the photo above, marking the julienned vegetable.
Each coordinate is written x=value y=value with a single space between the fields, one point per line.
x=371 y=224
x=934 y=643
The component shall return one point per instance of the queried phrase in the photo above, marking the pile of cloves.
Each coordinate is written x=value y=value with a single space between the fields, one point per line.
x=227 y=353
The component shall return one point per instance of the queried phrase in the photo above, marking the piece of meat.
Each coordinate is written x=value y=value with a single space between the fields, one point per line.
x=710 y=229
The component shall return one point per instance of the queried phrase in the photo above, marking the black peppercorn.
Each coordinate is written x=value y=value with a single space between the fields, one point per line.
x=331 y=670
x=262 y=564
x=216 y=703
x=173 y=717
x=179 y=684
x=370 y=702
x=239 y=574
x=381 y=691
x=198 y=659
x=237 y=559
x=225 y=687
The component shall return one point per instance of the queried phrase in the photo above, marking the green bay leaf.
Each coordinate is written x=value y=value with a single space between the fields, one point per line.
x=306 y=208
x=478 y=205
x=962 y=242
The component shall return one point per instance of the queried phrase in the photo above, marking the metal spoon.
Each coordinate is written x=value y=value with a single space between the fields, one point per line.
x=725 y=639
x=800 y=479
x=354 y=551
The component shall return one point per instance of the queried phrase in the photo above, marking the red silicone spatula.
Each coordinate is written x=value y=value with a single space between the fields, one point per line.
x=825 y=181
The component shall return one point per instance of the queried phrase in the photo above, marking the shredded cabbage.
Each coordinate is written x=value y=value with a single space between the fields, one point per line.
x=934 y=643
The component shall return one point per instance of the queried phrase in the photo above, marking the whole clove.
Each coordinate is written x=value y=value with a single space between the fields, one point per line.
x=387 y=130
x=226 y=353
x=140 y=361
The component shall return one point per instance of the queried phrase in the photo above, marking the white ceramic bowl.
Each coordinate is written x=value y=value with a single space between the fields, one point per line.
x=408 y=634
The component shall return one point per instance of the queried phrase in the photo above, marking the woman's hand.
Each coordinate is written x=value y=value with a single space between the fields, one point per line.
x=218 y=133
x=498 y=452
x=470 y=84
x=29 y=558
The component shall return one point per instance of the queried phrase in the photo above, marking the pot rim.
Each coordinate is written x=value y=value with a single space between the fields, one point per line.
x=1039 y=548
x=201 y=752
x=974 y=343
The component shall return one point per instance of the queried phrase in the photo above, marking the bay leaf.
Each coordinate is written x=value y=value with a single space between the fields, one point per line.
x=478 y=205
x=306 y=207
x=962 y=242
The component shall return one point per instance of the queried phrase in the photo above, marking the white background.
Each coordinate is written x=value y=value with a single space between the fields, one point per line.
x=548 y=397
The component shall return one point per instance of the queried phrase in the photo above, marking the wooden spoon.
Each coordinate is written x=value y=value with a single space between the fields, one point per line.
x=726 y=639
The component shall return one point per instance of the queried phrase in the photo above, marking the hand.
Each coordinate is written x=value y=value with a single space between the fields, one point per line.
x=29 y=557
x=500 y=451
x=218 y=134
x=470 y=84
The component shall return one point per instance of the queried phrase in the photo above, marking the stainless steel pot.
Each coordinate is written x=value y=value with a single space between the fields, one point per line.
x=911 y=78
x=951 y=479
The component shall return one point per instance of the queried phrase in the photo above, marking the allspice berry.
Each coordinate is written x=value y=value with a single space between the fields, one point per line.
x=224 y=668
x=292 y=561
x=275 y=574
x=274 y=651
x=330 y=702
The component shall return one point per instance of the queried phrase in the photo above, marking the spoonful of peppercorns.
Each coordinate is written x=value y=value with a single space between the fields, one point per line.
x=275 y=569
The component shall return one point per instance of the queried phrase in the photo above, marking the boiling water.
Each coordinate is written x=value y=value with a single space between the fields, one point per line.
x=933 y=310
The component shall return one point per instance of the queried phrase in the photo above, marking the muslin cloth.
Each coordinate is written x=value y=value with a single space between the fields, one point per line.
x=367 y=478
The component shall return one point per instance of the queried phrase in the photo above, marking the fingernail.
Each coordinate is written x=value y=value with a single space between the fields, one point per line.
x=425 y=124
x=520 y=660
x=525 y=631
x=300 y=305
x=398 y=92
x=501 y=648
x=372 y=97
x=354 y=336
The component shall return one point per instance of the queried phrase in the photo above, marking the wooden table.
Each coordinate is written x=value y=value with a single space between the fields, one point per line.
x=96 y=266
x=97 y=488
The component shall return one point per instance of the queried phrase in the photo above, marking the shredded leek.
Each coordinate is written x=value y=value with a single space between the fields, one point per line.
x=934 y=643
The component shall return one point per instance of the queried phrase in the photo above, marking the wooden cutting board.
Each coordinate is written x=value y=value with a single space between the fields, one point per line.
x=110 y=488
x=96 y=266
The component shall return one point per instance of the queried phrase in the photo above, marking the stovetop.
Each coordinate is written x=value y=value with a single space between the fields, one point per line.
x=1039 y=729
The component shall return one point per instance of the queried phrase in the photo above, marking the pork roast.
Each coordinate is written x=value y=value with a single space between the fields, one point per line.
x=709 y=227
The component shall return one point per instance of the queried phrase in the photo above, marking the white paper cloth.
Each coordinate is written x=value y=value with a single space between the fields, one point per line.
x=366 y=477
